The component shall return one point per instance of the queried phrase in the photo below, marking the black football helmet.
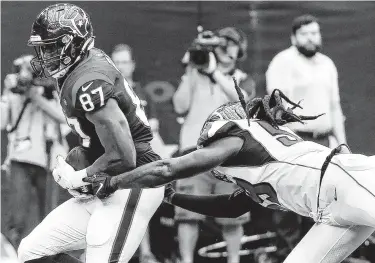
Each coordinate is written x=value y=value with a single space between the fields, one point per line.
x=61 y=35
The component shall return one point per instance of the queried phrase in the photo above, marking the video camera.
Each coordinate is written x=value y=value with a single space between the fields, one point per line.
x=202 y=45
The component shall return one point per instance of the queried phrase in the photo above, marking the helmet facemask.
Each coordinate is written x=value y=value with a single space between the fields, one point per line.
x=53 y=56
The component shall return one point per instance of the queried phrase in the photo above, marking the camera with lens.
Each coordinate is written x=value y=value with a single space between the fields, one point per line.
x=23 y=78
x=198 y=53
x=202 y=45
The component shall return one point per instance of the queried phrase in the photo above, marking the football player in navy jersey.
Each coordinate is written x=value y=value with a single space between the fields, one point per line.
x=103 y=110
x=277 y=169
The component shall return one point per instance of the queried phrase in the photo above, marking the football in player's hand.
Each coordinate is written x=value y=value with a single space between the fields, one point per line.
x=78 y=159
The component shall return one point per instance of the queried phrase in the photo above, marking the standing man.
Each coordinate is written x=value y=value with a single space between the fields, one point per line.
x=200 y=92
x=303 y=73
x=29 y=111
x=123 y=57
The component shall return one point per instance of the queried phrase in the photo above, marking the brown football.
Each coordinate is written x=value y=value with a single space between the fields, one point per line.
x=78 y=159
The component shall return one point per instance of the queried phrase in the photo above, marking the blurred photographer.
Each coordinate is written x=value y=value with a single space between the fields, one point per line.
x=31 y=115
x=211 y=62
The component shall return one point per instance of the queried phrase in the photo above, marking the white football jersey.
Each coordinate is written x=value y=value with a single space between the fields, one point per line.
x=277 y=168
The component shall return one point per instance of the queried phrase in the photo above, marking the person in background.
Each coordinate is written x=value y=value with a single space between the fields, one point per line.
x=200 y=92
x=302 y=72
x=30 y=112
x=122 y=56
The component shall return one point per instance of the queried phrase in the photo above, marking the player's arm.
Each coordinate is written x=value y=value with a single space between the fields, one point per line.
x=229 y=205
x=96 y=100
x=114 y=133
x=165 y=171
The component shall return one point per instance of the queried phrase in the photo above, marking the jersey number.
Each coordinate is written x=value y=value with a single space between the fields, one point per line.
x=283 y=136
x=262 y=193
x=75 y=125
x=86 y=100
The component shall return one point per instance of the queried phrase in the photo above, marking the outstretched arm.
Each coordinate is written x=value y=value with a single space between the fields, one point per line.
x=165 y=171
x=230 y=206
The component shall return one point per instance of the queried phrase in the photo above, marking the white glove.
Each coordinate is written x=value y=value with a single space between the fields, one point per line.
x=66 y=176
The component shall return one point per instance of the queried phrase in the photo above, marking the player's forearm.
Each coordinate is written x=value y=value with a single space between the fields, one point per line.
x=165 y=171
x=120 y=154
x=215 y=205
x=147 y=176
x=107 y=163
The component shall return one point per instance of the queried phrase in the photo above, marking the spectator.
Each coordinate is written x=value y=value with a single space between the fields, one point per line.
x=303 y=73
x=122 y=56
x=29 y=112
x=199 y=93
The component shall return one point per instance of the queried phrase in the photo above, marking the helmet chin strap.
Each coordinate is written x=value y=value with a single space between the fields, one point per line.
x=89 y=44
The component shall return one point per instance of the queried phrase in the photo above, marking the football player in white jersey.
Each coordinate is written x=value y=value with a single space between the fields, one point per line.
x=277 y=169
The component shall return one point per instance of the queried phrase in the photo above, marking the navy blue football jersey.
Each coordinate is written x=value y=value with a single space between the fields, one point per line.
x=88 y=88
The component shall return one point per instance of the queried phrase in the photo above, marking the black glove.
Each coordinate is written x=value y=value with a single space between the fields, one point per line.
x=101 y=185
x=169 y=192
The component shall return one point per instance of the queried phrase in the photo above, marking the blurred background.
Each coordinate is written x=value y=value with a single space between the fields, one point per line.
x=160 y=33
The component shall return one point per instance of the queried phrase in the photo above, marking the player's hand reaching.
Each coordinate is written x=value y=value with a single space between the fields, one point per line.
x=169 y=192
x=101 y=184
x=66 y=176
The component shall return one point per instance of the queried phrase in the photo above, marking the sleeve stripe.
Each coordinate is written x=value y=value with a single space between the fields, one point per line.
x=86 y=78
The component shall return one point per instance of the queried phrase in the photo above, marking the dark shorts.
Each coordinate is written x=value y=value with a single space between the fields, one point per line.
x=206 y=184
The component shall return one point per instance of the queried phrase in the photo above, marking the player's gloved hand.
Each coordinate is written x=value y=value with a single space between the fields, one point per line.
x=66 y=176
x=169 y=192
x=101 y=184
